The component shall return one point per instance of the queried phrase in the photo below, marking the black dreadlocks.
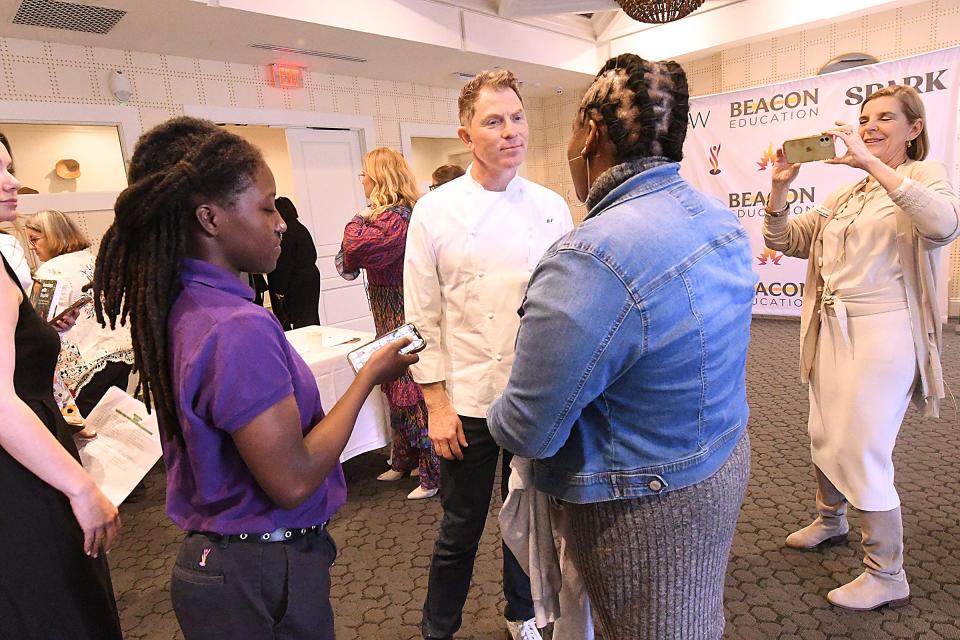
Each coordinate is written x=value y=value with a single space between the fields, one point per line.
x=174 y=166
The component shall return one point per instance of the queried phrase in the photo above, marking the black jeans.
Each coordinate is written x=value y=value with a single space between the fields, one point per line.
x=255 y=591
x=115 y=374
x=465 y=489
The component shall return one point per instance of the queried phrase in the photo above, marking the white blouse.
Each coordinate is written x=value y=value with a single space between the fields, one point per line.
x=85 y=348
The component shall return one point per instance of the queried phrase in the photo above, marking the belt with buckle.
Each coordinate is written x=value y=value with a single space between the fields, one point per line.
x=283 y=534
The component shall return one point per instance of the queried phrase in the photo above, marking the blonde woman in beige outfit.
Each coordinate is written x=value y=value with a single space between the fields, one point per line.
x=870 y=330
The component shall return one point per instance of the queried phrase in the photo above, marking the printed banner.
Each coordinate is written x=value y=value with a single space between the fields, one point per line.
x=732 y=139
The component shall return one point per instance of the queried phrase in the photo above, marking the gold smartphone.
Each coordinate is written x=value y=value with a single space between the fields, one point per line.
x=809 y=149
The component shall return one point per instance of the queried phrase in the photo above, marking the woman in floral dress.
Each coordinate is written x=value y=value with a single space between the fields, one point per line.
x=375 y=240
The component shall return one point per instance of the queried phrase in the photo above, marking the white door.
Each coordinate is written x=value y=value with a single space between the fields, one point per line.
x=325 y=166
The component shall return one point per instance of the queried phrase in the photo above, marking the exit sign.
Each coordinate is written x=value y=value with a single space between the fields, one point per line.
x=286 y=76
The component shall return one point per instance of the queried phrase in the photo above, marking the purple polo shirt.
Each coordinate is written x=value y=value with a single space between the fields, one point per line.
x=229 y=362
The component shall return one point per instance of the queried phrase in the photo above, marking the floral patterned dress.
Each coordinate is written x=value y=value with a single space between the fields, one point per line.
x=378 y=246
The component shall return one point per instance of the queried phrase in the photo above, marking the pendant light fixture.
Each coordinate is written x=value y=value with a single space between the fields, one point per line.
x=659 y=11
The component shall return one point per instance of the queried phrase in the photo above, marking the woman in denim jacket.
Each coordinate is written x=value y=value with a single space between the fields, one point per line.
x=628 y=389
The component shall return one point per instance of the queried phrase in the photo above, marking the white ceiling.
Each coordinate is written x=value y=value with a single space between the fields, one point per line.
x=547 y=43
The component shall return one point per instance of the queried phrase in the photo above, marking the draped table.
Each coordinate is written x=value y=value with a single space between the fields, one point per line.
x=325 y=351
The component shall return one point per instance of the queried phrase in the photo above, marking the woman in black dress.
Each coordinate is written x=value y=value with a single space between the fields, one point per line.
x=55 y=524
x=295 y=283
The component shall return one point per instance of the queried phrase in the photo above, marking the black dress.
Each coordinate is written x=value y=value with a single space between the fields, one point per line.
x=295 y=283
x=49 y=589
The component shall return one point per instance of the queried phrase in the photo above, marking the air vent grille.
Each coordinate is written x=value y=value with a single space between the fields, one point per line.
x=67 y=15
x=309 y=52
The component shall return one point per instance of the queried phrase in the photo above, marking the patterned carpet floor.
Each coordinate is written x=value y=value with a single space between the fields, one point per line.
x=771 y=592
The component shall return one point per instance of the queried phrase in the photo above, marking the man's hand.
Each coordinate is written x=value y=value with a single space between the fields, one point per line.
x=446 y=432
x=443 y=424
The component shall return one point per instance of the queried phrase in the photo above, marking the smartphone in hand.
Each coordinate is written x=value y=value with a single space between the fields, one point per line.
x=359 y=356
x=80 y=302
x=809 y=149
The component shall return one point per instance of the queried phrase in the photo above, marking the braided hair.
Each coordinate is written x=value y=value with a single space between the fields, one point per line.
x=643 y=104
x=174 y=166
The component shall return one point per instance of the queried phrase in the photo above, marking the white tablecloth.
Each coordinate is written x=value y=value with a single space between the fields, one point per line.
x=325 y=350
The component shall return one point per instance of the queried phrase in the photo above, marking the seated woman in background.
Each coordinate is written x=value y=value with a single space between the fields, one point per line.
x=629 y=385
x=253 y=463
x=295 y=283
x=57 y=525
x=92 y=358
x=376 y=240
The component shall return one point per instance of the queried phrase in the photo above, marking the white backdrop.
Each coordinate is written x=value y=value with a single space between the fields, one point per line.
x=731 y=139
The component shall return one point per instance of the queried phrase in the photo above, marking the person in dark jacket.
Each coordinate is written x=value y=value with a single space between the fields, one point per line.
x=295 y=283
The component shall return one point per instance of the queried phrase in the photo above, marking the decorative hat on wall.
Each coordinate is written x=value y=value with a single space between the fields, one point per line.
x=25 y=191
x=68 y=169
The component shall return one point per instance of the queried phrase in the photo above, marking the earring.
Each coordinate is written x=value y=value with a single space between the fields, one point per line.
x=909 y=143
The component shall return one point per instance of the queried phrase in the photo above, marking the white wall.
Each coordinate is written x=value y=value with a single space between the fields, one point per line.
x=430 y=153
x=272 y=142
x=38 y=147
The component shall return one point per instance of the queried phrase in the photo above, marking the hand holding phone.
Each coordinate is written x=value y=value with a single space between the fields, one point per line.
x=77 y=304
x=359 y=356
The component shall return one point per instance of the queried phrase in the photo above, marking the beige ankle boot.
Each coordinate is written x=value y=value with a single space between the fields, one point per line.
x=831 y=526
x=884 y=581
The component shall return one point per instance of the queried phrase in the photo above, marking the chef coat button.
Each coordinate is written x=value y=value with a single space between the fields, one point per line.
x=490 y=315
x=498 y=357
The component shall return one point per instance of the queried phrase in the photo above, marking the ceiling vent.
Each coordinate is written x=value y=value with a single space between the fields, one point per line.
x=309 y=52
x=67 y=15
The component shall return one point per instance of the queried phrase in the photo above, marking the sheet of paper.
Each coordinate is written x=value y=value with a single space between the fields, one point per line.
x=126 y=447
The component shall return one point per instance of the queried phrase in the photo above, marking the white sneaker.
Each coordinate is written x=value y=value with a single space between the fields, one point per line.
x=390 y=476
x=420 y=493
x=523 y=630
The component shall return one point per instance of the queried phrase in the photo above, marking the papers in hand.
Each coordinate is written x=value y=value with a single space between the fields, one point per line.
x=126 y=447
x=44 y=296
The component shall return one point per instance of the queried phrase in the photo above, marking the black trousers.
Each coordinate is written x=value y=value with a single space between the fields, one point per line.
x=255 y=591
x=465 y=490
x=115 y=374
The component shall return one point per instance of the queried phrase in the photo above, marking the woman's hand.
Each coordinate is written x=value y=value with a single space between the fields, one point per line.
x=98 y=518
x=387 y=363
x=66 y=322
x=857 y=155
x=784 y=173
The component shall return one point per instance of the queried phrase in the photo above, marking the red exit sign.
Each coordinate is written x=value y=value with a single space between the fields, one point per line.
x=286 y=76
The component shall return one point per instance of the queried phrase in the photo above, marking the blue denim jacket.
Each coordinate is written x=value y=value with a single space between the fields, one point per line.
x=629 y=378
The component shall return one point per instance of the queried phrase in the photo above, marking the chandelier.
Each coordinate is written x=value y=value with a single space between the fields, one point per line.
x=659 y=11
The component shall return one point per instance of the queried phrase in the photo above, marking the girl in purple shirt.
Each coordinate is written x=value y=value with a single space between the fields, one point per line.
x=253 y=470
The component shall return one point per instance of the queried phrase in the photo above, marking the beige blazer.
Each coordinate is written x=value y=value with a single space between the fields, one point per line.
x=928 y=218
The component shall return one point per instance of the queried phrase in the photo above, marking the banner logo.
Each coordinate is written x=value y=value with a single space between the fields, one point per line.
x=767 y=159
x=769 y=256
x=698 y=119
x=714 y=159
x=779 y=107
x=930 y=81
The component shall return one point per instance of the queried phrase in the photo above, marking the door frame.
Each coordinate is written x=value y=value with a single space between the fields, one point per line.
x=365 y=126
x=410 y=130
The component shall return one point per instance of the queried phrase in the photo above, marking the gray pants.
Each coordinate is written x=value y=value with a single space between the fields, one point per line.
x=654 y=566
x=256 y=591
